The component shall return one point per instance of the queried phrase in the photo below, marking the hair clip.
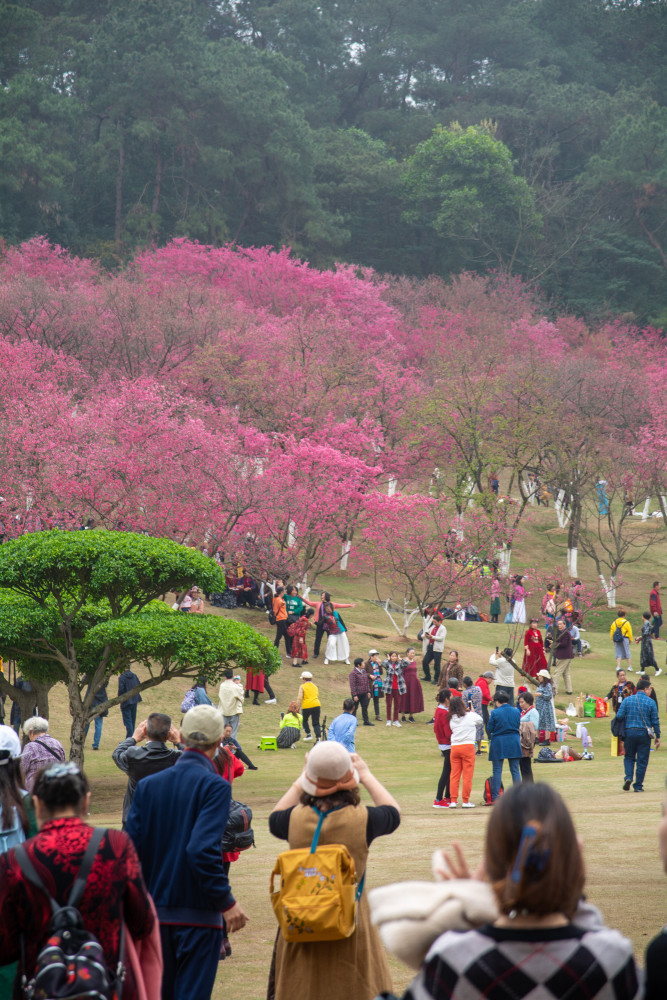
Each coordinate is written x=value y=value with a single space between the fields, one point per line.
x=60 y=770
x=528 y=835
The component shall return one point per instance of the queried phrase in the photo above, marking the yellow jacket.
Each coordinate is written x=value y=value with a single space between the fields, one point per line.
x=625 y=627
x=309 y=696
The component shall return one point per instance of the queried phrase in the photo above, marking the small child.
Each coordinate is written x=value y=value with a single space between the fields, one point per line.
x=376 y=682
x=646 y=654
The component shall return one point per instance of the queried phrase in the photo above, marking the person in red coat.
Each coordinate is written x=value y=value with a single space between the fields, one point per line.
x=482 y=683
x=443 y=735
x=115 y=889
x=533 y=649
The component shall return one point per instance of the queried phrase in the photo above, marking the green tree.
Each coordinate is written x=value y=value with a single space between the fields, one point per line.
x=461 y=186
x=79 y=607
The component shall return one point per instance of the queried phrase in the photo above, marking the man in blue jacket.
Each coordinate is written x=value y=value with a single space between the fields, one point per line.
x=176 y=822
x=640 y=715
x=503 y=730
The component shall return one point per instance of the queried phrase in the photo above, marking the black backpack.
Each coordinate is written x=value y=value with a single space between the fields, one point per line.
x=72 y=963
x=238 y=835
x=618 y=634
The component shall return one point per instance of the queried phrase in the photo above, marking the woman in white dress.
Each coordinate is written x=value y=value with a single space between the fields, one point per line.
x=519 y=595
x=338 y=644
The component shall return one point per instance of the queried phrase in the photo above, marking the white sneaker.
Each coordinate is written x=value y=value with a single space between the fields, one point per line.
x=468 y=805
x=658 y=672
x=270 y=701
x=348 y=662
x=629 y=670
x=389 y=722
x=397 y=723
x=306 y=738
x=326 y=663
x=452 y=805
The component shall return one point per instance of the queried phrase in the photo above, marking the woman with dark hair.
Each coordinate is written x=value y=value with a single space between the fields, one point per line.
x=452 y=668
x=329 y=786
x=518 y=601
x=533 y=649
x=115 y=890
x=541 y=939
x=412 y=701
x=297 y=633
x=463 y=723
x=394 y=686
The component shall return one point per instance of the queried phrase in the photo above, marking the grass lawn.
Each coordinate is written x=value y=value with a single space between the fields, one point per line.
x=618 y=829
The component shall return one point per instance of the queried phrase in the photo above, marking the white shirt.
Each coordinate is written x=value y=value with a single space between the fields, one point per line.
x=464 y=727
x=504 y=670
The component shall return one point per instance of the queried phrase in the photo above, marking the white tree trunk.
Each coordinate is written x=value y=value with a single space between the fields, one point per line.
x=562 y=515
x=471 y=491
x=529 y=489
x=291 y=535
x=609 y=589
x=504 y=559
x=644 y=514
x=391 y=487
x=572 y=561
x=344 y=554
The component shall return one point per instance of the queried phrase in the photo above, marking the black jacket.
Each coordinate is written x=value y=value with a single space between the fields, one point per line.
x=139 y=761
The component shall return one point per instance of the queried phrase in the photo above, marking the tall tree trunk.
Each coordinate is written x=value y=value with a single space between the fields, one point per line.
x=118 y=219
x=573 y=535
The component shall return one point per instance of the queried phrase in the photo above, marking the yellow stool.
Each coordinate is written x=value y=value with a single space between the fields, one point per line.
x=268 y=743
x=484 y=746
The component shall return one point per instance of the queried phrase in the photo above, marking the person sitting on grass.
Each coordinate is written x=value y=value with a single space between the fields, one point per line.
x=343 y=727
x=290 y=728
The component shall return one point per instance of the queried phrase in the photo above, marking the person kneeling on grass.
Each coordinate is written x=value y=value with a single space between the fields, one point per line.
x=464 y=729
x=290 y=728
x=343 y=727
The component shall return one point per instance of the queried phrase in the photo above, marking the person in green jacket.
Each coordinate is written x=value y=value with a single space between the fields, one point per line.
x=290 y=728
x=293 y=602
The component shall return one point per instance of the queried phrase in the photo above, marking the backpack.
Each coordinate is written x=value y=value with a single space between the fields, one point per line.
x=238 y=834
x=487 y=790
x=189 y=700
x=618 y=634
x=547 y=756
x=72 y=963
x=13 y=836
x=272 y=617
x=318 y=895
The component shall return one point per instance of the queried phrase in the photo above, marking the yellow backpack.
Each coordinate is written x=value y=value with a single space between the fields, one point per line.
x=318 y=895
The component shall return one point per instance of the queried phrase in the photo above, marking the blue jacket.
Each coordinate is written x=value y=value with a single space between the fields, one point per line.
x=126 y=682
x=176 y=822
x=342 y=730
x=503 y=730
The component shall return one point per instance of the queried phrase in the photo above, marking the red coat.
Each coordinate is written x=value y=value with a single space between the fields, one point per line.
x=254 y=681
x=483 y=685
x=115 y=887
x=442 y=728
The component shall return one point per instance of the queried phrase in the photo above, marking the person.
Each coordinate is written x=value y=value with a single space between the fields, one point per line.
x=344 y=726
x=528 y=730
x=452 y=670
x=176 y=822
x=561 y=657
x=412 y=701
x=374 y=671
x=642 y=724
x=100 y=697
x=576 y=638
x=505 y=744
x=655 y=606
x=308 y=701
x=655 y=964
x=544 y=702
x=201 y=693
x=128 y=709
x=293 y=603
x=623 y=688
x=258 y=683
x=338 y=644
x=139 y=761
x=234 y=747
x=360 y=689
x=230 y=701
x=40 y=751
x=280 y=613
x=504 y=675
x=539 y=938
x=472 y=696
x=533 y=649
x=463 y=722
x=482 y=683
x=115 y=889
x=646 y=654
x=290 y=727
x=443 y=734
x=435 y=634
x=394 y=686
x=494 y=606
x=329 y=784
x=297 y=633
x=620 y=632
x=325 y=597
x=518 y=601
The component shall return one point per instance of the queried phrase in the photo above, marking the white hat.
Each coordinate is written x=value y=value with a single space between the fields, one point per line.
x=10 y=744
x=544 y=673
x=306 y=676
x=372 y=652
x=328 y=769
x=202 y=724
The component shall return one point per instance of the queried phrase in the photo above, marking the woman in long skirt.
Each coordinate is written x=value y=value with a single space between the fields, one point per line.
x=646 y=654
x=290 y=728
x=533 y=650
x=519 y=608
x=412 y=702
x=338 y=645
x=544 y=703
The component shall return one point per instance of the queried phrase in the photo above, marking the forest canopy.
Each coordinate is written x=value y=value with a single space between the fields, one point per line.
x=126 y=123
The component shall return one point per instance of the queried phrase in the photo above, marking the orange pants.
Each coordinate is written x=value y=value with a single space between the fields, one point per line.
x=463 y=762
